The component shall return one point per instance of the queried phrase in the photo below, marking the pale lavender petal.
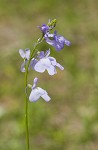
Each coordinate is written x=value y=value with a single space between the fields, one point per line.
x=33 y=62
x=51 y=42
x=51 y=70
x=49 y=35
x=22 y=67
x=41 y=91
x=46 y=97
x=35 y=82
x=39 y=67
x=46 y=62
x=42 y=64
x=22 y=53
x=59 y=66
x=44 y=94
x=53 y=61
x=68 y=43
x=27 y=54
x=34 y=95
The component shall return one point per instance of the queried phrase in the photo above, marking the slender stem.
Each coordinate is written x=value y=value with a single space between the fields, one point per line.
x=26 y=98
x=26 y=111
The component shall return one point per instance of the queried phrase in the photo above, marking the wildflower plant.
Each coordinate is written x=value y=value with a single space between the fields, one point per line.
x=40 y=61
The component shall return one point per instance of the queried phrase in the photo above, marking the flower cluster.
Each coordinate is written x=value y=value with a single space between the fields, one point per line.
x=55 y=40
x=42 y=61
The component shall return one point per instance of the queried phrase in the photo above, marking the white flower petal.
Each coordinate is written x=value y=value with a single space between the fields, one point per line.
x=45 y=62
x=46 y=97
x=44 y=94
x=39 y=67
x=22 y=53
x=41 y=91
x=23 y=67
x=51 y=70
x=27 y=54
x=59 y=66
x=50 y=35
x=34 y=95
x=42 y=64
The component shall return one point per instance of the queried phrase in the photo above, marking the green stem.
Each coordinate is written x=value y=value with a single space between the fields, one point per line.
x=26 y=98
x=26 y=111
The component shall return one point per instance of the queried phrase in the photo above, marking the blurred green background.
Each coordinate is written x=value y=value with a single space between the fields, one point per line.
x=70 y=120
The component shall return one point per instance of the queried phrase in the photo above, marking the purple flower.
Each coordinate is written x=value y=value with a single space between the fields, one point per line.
x=44 y=28
x=38 y=92
x=25 y=54
x=45 y=62
x=57 y=41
